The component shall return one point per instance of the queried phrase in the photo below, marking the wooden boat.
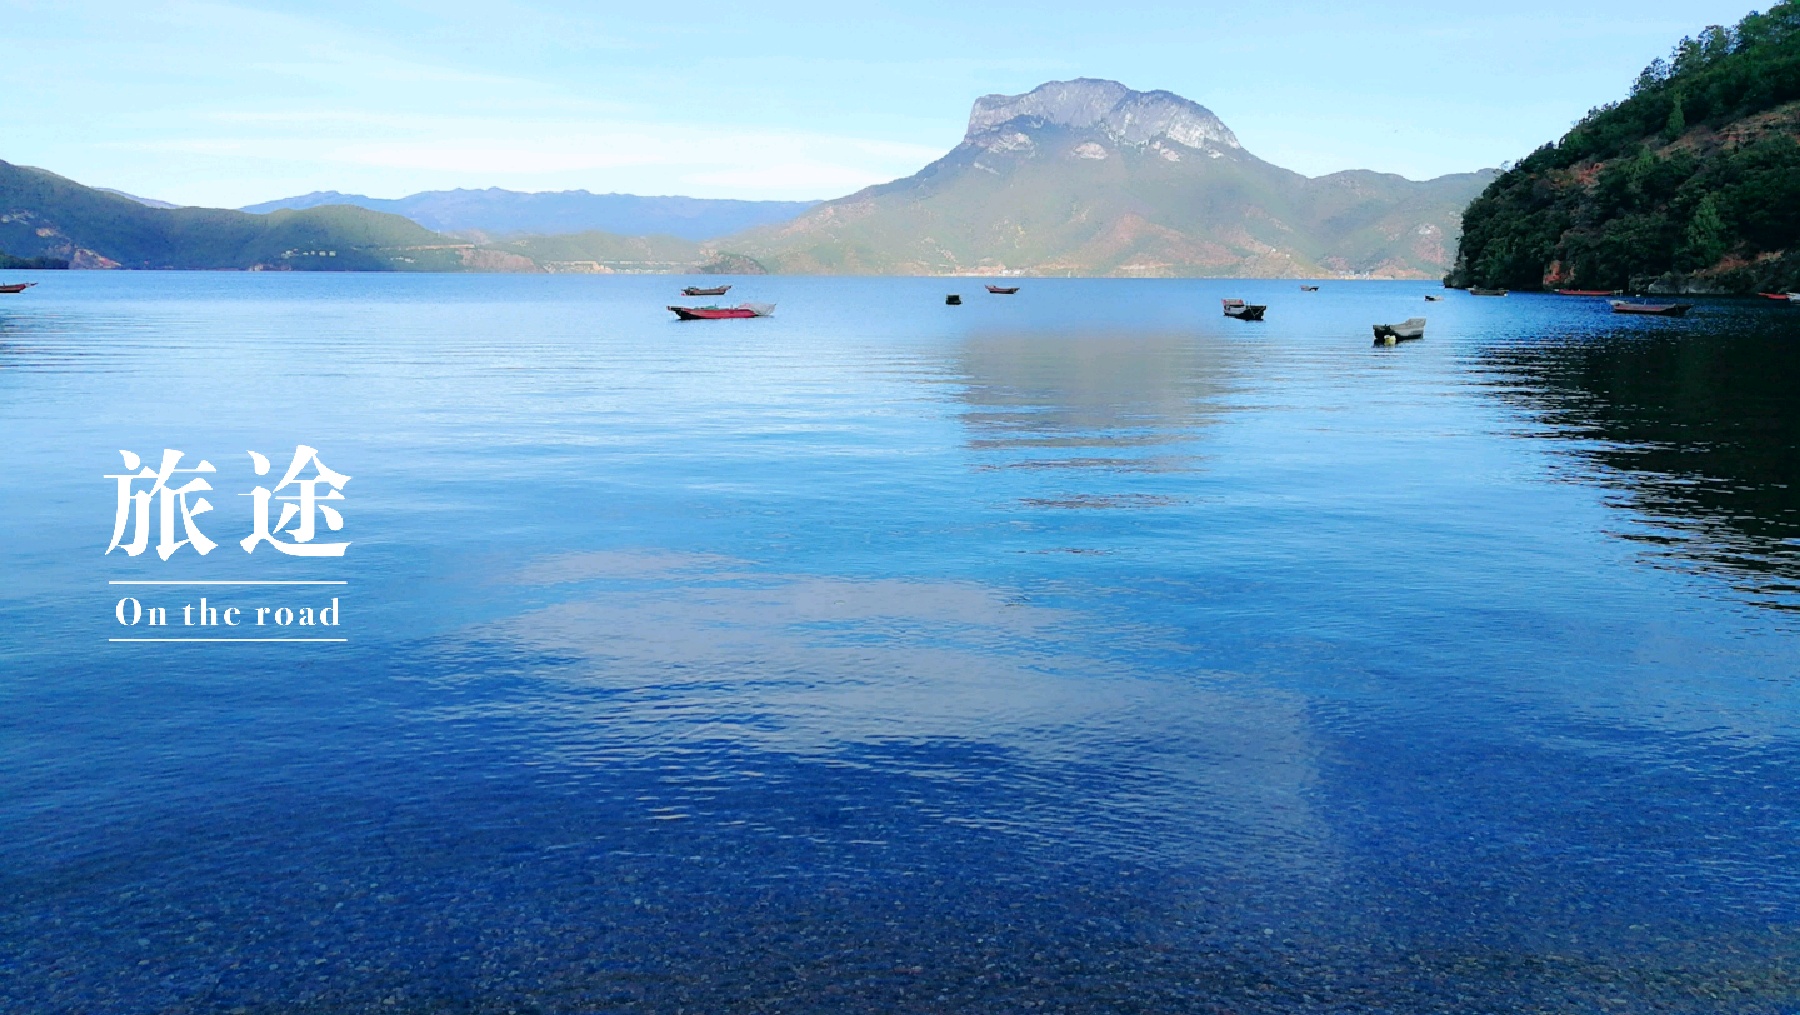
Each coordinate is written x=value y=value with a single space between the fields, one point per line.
x=1244 y=311
x=694 y=290
x=1411 y=328
x=724 y=313
x=16 y=287
x=1002 y=290
x=1434 y=299
x=1590 y=292
x=1309 y=288
x=953 y=300
x=1653 y=309
x=1487 y=292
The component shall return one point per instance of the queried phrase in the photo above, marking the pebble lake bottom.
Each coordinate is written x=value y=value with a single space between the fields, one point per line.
x=1074 y=651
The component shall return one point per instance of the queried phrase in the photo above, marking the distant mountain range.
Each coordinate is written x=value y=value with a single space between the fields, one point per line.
x=1089 y=177
x=1081 y=177
x=45 y=215
x=148 y=202
x=496 y=213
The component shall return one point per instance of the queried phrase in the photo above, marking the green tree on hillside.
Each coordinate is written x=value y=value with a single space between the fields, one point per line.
x=1707 y=237
x=1615 y=200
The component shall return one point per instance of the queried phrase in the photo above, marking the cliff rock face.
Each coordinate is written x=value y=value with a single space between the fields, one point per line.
x=1113 y=109
x=1090 y=177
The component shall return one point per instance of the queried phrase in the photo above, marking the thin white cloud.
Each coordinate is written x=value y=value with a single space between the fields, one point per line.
x=218 y=100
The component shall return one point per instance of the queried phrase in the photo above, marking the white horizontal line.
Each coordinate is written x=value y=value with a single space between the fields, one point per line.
x=228 y=583
x=227 y=639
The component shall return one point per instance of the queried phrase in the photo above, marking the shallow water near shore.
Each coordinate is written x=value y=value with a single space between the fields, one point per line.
x=1080 y=650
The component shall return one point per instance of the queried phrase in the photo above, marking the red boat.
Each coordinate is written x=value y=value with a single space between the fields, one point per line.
x=1653 y=309
x=724 y=313
x=1590 y=292
x=1785 y=297
x=16 y=287
x=1000 y=290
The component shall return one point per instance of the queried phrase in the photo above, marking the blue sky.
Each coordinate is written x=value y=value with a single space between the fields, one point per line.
x=228 y=103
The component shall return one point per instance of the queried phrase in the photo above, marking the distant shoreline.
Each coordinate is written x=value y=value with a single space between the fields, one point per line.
x=715 y=275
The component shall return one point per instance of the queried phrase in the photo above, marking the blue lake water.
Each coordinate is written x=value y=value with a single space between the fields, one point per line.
x=1076 y=651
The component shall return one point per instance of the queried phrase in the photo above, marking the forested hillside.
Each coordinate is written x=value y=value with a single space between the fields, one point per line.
x=45 y=215
x=1692 y=183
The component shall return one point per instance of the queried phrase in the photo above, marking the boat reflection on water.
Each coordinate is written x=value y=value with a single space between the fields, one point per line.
x=1698 y=432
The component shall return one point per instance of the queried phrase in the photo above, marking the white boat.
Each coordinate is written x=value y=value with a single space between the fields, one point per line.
x=1651 y=309
x=1412 y=327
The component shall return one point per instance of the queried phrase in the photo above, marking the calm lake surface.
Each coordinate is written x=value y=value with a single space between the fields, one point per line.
x=1077 y=651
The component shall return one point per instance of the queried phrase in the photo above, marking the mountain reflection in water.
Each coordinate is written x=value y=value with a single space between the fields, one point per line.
x=1091 y=400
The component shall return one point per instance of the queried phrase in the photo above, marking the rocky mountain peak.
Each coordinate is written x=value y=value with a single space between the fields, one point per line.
x=1125 y=115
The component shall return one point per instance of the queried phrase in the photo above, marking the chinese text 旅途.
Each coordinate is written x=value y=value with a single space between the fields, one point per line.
x=294 y=532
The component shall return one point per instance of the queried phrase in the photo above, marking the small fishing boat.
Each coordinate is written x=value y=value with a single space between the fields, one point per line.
x=694 y=290
x=724 y=313
x=1590 y=292
x=1244 y=311
x=1776 y=296
x=1434 y=299
x=1411 y=328
x=1487 y=292
x=1309 y=288
x=1003 y=290
x=953 y=300
x=16 y=287
x=1652 y=309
